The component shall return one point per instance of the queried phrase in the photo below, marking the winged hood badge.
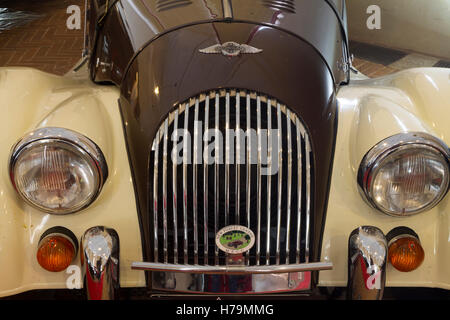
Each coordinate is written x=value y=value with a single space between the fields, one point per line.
x=230 y=49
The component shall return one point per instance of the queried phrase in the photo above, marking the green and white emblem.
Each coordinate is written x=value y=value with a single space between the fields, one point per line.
x=235 y=239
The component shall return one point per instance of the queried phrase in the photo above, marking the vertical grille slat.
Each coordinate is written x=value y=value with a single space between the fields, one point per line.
x=205 y=191
x=249 y=168
x=195 y=177
x=299 y=190
x=155 y=197
x=227 y=184
x=308 y=198
x=289 y=186
x=216 y=177
x=166 y=129
x=174 y=199
x=227 y=159
x=258 y=208
x=185 y=191
x=280 y=177
x=238 y=160
x=269 y=178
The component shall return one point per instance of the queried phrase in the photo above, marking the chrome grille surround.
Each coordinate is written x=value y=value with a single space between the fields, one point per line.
x=276 y=207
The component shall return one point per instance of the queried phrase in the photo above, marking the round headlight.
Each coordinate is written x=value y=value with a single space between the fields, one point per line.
x=57 y=170
x=405 y=174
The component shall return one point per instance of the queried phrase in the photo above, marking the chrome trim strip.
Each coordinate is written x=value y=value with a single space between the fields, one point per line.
x=227 y=9
x=185 y=209
x=166 y=129
x=205 y=188
x=62 y=232
x=174 y=199
x=289 y=184
x=100 y=263
x=195 y=178
x=280 y=180
x=163 y=5
x=403 y=235
x=367 y=257
x=163 y=267
x=258 y=206
x=155 y=197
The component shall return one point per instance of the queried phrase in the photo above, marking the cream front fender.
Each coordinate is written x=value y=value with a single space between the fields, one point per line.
x=32 y=99
x=369 y=111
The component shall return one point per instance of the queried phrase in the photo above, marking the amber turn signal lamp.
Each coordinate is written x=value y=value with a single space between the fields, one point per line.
x=57 y=249
x=405 y=251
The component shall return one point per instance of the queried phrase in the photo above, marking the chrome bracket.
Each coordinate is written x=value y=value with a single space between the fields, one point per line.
x=347 y=65
x=100 y=263
x=235 y=260
x=367 y=256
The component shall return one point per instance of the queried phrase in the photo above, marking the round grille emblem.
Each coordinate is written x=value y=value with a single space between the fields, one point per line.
x=235 y=239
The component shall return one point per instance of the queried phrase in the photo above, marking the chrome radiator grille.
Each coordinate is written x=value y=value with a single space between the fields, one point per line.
x=193 y=199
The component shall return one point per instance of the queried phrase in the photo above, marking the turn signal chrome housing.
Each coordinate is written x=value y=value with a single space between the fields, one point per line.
x=57 y=248
x=405 y=251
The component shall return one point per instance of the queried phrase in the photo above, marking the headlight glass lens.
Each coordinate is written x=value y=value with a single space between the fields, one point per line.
x=407 y=178
x=56 y=176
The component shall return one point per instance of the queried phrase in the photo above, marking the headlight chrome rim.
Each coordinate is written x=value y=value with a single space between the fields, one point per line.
x=370 y=165
x=77 y=141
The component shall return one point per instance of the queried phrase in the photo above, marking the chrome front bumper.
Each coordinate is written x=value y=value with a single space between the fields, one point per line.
x=242 y=270
x=231 y=279
x=367 y=255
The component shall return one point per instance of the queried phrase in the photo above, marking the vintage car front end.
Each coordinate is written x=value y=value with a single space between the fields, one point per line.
x=219 y=148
